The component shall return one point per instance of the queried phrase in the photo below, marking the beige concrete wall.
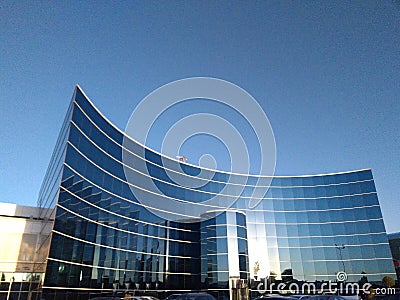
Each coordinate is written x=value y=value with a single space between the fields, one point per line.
x=21 y=234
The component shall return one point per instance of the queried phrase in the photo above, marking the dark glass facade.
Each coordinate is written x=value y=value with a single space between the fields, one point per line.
x=104 y=238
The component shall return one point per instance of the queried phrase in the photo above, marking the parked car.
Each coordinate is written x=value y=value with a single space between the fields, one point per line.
x=321 y=297
x=274 y=297
x=195 y=296
x=106 y=298
x=125 y=297
x=148 y=298
x=172 y=297
x=143 y=298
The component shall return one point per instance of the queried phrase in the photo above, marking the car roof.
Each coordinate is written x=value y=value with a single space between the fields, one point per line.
x=276 y=297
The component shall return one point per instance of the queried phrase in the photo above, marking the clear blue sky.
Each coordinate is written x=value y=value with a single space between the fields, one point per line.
x=326 y=73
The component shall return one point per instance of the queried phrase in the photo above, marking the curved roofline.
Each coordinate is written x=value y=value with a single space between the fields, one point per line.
x=199 y=167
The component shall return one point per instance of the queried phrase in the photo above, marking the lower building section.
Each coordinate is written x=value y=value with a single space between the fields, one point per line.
x=394 y=241
x=24 y=246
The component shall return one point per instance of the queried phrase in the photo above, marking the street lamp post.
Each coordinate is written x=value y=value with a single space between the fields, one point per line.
x=340 y=248
x=9 y=287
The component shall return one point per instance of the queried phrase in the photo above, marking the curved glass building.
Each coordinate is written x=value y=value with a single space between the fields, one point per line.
x=107 y=237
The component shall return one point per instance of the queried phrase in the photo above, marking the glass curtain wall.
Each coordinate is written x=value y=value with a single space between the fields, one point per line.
x=104 y=239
